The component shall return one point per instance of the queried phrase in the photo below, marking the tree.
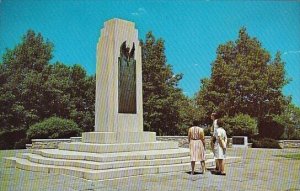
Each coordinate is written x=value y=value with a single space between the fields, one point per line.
x=245 y=80
x=33 y=89
x=83 y=89
x=69 y=93
x=290 y=121
x=188 y=112
x=161 y=96
x=240 y=125
x=21 y=79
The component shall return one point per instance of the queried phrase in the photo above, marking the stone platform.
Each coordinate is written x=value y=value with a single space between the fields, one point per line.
x=95 y=161
x=259 y=169
x=104 y=166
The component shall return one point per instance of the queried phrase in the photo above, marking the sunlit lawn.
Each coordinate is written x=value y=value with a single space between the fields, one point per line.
x=291 y=156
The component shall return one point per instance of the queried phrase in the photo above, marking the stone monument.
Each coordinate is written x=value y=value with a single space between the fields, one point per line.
x=119 y=100
x=119 y=147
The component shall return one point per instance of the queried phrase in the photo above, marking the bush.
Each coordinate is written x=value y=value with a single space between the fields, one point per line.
x=183 y=130
x=206 y=130
x=240 y=125
x=296 y=135
x=53 y=128
x=270 y=128
x=21 y=144
x=8 y=139
x=265 y=143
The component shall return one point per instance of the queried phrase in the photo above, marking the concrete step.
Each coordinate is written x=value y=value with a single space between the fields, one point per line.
x=120 y=156
x=76 y=139
x=104 y=165
x=106 y=173
x=118 y=137
x=117 y=147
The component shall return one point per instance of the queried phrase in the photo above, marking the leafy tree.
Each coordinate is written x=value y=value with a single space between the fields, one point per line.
x=69 y=93
x=290 y=120
x=83 y=93
x=240 y=125
x=33 y=89
x=270 y=127
x=161 y=96
x=245 y=80
x=190 y=111
x=21 y=79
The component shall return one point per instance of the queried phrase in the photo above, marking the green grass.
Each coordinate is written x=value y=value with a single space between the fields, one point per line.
x=10 y=153
x=291 y=156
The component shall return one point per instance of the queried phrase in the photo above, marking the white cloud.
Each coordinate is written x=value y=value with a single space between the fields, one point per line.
x=292 y=52
x=140 y=11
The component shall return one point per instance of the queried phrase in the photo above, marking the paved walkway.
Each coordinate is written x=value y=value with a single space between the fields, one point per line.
x=260 y=169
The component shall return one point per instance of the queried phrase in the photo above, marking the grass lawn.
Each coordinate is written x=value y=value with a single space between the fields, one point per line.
x=291 y=156
x=10 y=153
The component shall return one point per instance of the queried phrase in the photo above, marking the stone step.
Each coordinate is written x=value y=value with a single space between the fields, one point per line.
x=76 y=139
x=118 y=137
x=118 y=147
x=107 y=173
x=120 y=156
x=103 y=165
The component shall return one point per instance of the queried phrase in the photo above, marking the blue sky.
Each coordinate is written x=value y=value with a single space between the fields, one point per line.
x=192 y=30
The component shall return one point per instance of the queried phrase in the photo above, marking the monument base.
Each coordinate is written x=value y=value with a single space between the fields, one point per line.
x=124 y=156
x=118 y=137
x=104 y=165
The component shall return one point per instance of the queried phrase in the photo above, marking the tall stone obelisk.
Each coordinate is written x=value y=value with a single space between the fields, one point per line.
x=119 y=102
x=108 y=118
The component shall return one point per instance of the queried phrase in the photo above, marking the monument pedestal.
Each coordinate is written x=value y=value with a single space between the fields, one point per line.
x=109 y=161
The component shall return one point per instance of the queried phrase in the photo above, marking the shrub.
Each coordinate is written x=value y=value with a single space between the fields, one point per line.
x=270 y=128
x=9 y=138
x=265 y=143
x=240 y=125
x=183 y=130
x=290 y=124
x=296 y=135
x=206 y=130
x=21 y=144
x=53 y=128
